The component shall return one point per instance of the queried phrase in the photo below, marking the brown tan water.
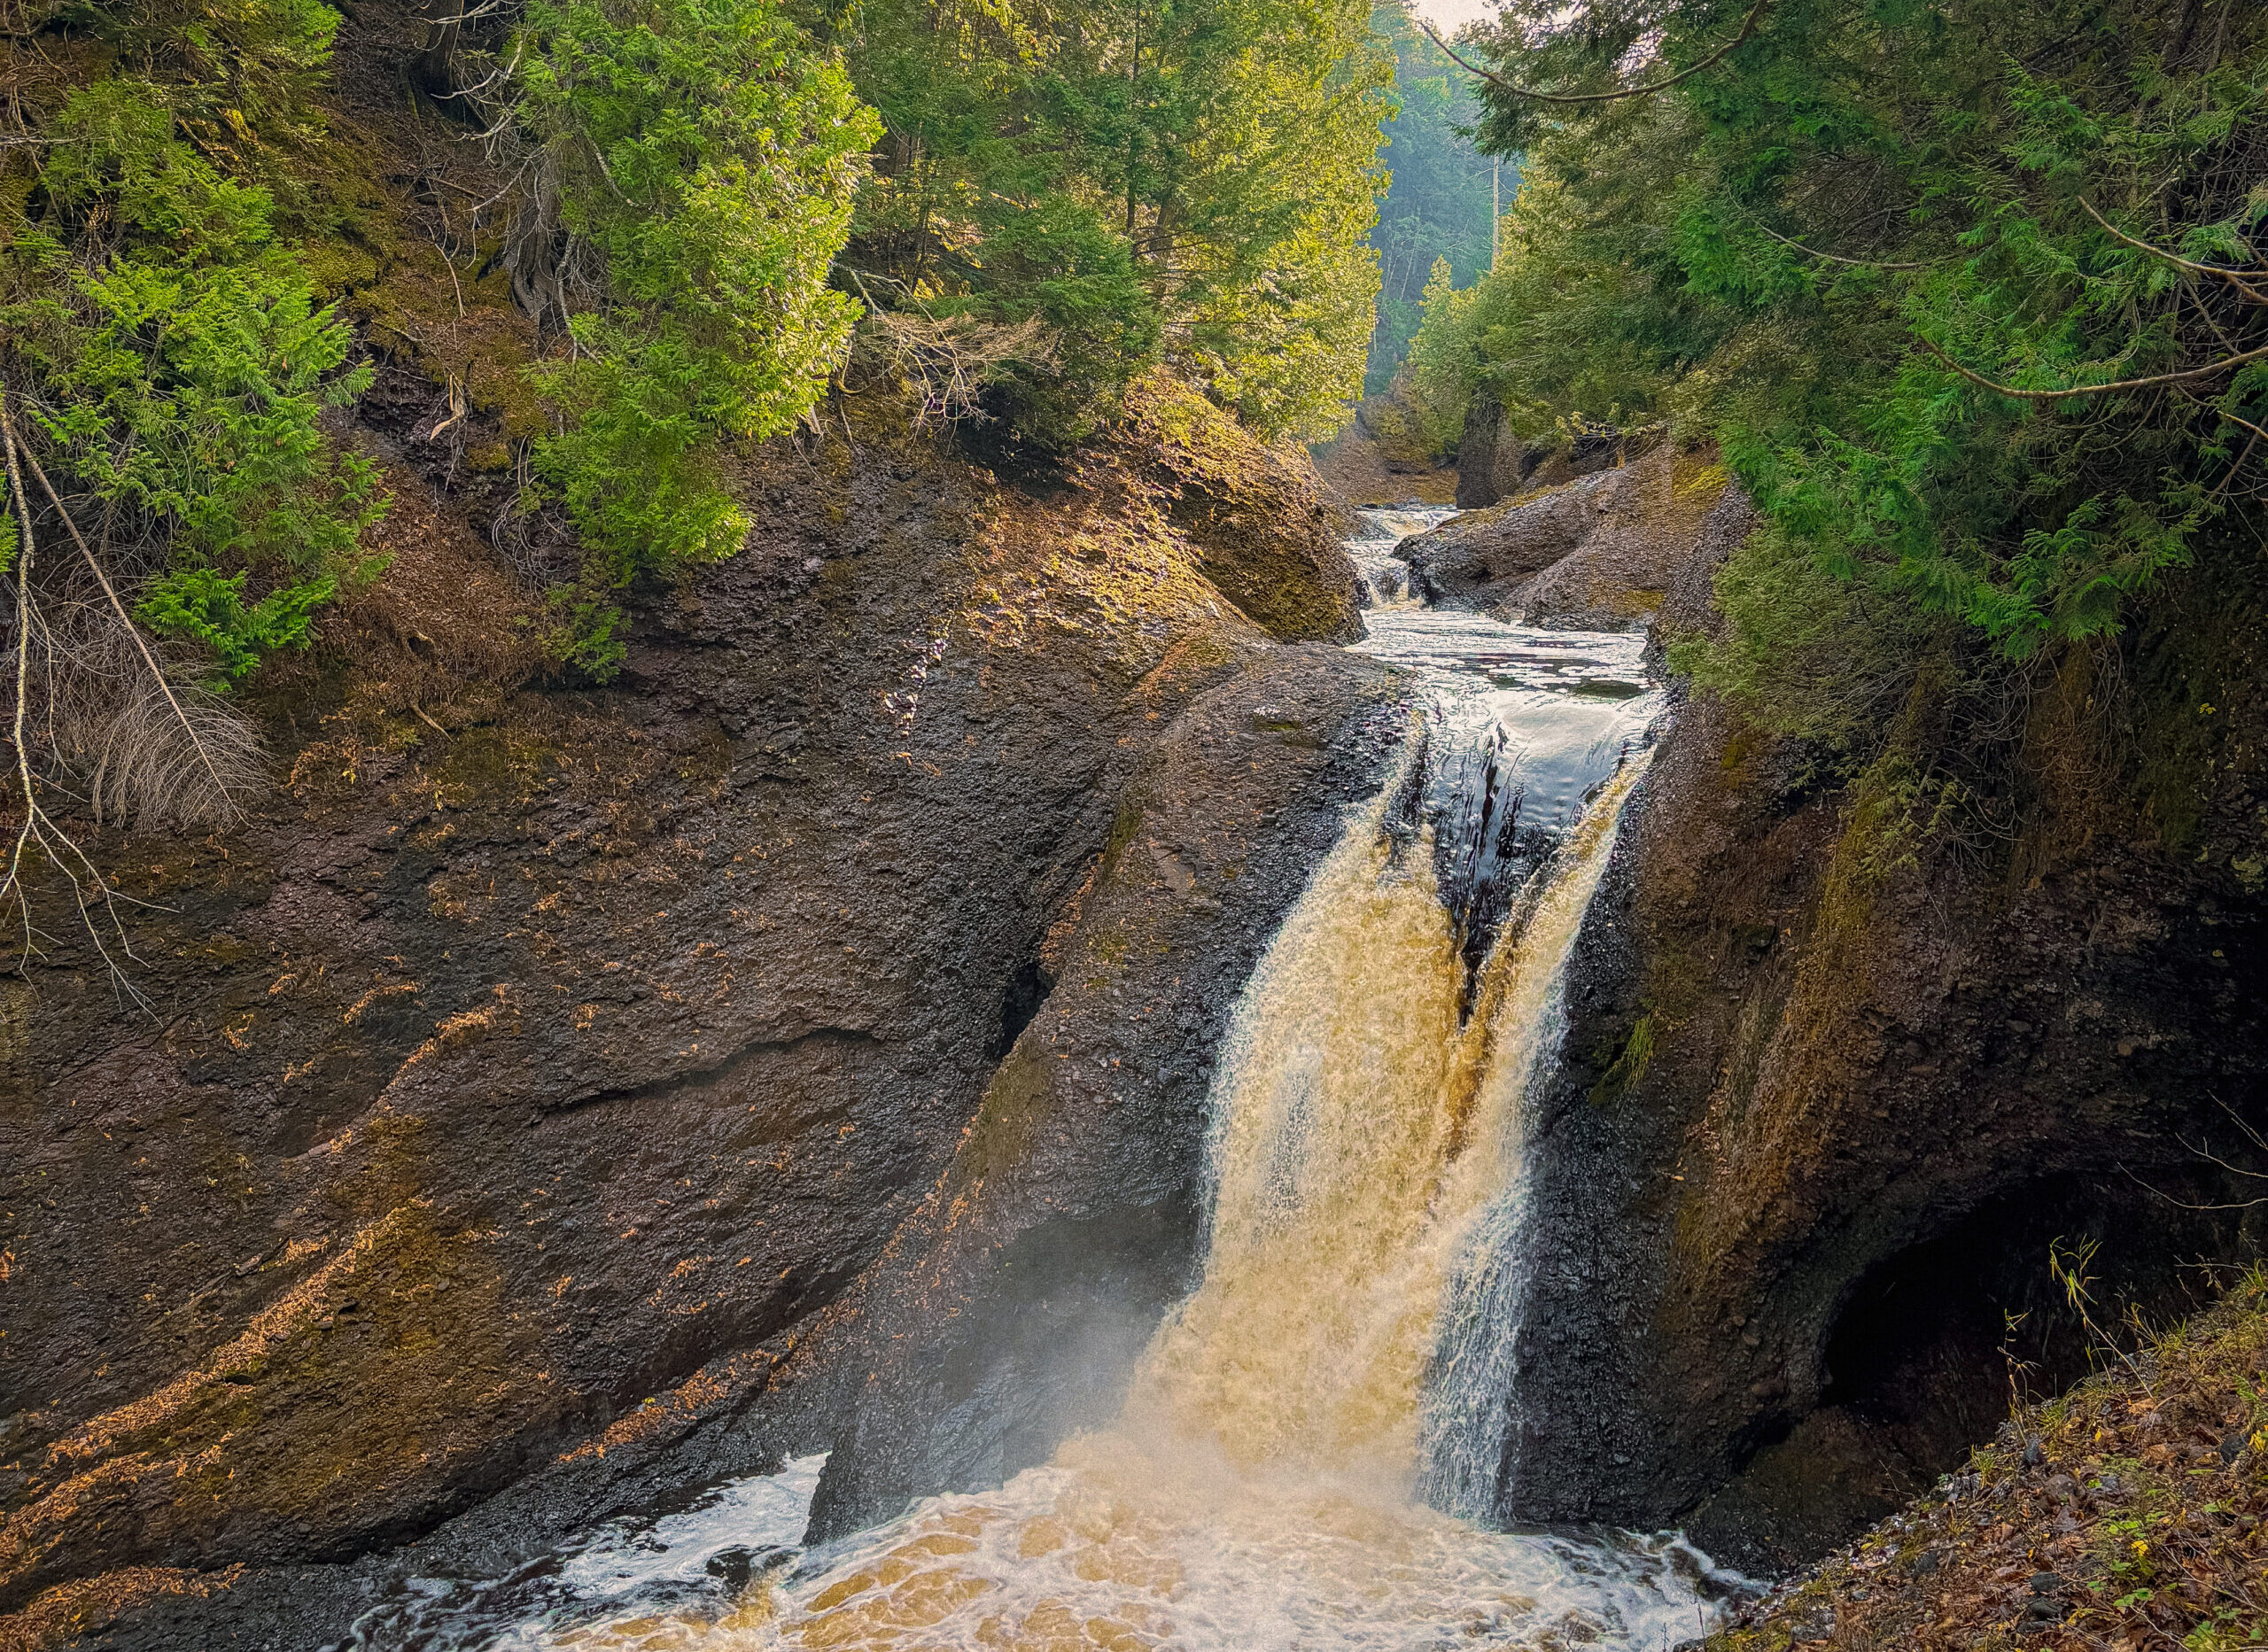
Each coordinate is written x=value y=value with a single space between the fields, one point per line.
x=1342 y=1350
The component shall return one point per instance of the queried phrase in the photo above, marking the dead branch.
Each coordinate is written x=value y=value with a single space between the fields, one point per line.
x=1747 y=27
x=947 y=362
x=1835 y=258
x=38 y=830
x=8 y=429
x=2235 y=277
x=2183 y=1203
x=2186 y=375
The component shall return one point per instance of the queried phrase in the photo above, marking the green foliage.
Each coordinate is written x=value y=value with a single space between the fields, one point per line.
x=1791 y=249
x=1179 y=180
x=1440 y=207
x=116 y=149
x=708 y=155
x=1434 y=384
x=207 y=607
x=1819 y=659
x=193 y=394
x=246 y=71
x=582 y=629
x=1565 y=327
x=178 y=367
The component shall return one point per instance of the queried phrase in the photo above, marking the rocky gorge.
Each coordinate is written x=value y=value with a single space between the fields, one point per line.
x=502 y=990
x=558 y=1100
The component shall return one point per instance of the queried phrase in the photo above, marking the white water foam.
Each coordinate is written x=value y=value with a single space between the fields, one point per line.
x=1386 y=581
x=1356 y=1331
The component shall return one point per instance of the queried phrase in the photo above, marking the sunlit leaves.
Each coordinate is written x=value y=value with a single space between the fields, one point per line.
x=1188 y=180
x=179 y=381
x=708 y=153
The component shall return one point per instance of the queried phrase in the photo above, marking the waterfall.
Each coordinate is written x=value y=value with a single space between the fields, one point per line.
x=1312 y=1447
x=1471 y=1405
x=1366 y=1162
x=1353 y=1338
x=1386 y=581
x=1334 y=1116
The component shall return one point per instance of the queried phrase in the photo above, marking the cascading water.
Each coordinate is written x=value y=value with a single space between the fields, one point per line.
x=1306 y=1428
x=1386 y=581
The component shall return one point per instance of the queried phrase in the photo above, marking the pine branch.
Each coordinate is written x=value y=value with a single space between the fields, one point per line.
x=2234 y=277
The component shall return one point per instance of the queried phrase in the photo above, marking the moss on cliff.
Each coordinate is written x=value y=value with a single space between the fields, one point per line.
x=1256 y=514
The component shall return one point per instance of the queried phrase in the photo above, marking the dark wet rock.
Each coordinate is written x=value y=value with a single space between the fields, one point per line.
x=537 y=1066
x=1492 y=463
x=1820 y=1486
x=731 y=1567
x=1599 y=553
x=1476 y=559
x=1020 y=1295
x=1789 y=1250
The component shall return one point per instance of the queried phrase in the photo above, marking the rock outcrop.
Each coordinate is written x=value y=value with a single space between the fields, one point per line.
x=1836 y=1086
x=1492 y=463
x=1597 y=552
x=1356 y=468
x=536 y=1068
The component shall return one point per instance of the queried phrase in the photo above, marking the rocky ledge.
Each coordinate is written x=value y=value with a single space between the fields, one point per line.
x=2126 y=1514
x=542 y=1074
x=1598 y=553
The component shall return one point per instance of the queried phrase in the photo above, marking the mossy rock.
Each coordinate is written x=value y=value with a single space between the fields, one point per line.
x=1255 y=514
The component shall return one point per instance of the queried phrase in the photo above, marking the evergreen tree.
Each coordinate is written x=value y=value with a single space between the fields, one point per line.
x=1974 y=296
x=1441 y=205
x=1187 y=181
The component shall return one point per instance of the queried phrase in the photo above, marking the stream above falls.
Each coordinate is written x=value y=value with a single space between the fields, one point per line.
x=1310 y=1448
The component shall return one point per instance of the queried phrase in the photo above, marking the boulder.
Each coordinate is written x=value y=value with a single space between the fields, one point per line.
x=1597 y=552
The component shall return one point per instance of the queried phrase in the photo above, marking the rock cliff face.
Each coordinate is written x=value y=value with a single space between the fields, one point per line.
x=531 y=1052
x=1833 y=1097
x=553 y=1099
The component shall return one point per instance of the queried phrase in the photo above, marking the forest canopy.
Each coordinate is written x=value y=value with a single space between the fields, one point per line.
x=1438 y=215
x=1179 y=181
x=1973 y=296
x=710 y=210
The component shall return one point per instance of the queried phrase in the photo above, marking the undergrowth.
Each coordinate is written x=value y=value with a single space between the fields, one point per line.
x=2126 y=1515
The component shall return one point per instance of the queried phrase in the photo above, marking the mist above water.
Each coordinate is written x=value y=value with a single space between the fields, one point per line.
x=1310 y=1446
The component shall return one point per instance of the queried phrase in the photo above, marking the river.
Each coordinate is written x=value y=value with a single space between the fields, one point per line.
x=1310 y=1448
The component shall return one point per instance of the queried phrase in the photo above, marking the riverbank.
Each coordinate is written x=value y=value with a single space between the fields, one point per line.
x=2124 y=1515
